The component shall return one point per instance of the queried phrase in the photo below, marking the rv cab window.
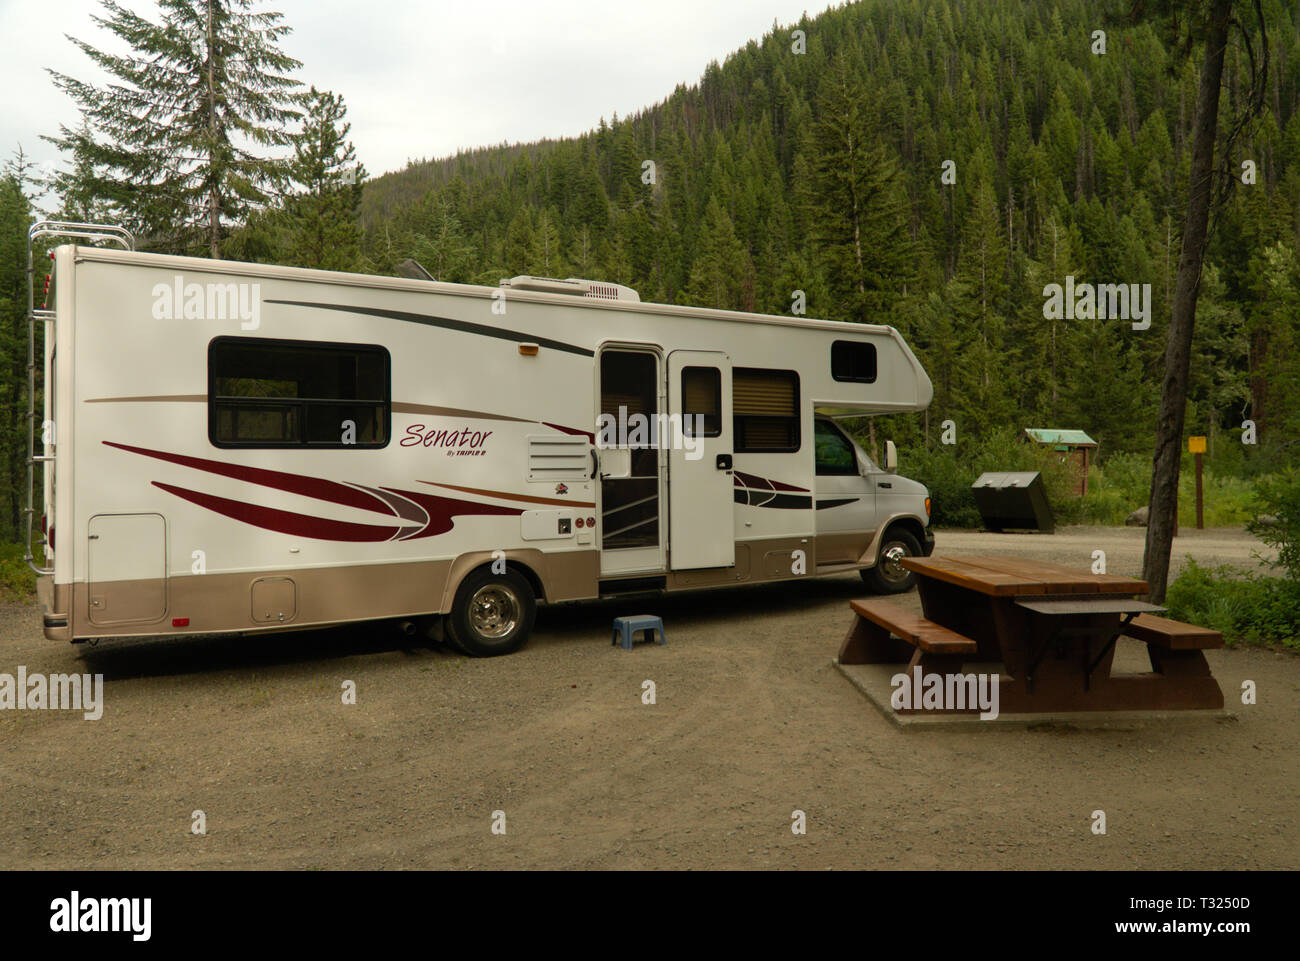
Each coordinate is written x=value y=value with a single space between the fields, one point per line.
x=853 y=361
x=281 y=393
x=834 y=452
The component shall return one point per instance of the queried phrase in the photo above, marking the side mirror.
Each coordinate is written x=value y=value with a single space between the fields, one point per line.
x=615 y=463
x=891 y=456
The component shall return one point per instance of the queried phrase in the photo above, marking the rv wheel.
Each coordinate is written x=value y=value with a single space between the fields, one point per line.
x=492 y=614
x=889 y=576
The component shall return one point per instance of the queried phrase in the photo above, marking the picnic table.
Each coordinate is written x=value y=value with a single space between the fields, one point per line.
x=1048 y=631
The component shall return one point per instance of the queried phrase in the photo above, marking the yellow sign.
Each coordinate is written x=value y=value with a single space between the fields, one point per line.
x=1196 y=445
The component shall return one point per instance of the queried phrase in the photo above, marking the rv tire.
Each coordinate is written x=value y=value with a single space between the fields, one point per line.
x=887 y=577
x=492 y=613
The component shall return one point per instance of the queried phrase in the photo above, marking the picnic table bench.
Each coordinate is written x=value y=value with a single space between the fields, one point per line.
x=1048 y=631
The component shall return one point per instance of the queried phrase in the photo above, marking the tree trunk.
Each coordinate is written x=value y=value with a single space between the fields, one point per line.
x=1261 y=399
x=1178 y=350
x=214 y=195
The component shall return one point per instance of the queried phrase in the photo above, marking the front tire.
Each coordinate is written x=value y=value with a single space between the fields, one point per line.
x=492 y=613
x=889 y=576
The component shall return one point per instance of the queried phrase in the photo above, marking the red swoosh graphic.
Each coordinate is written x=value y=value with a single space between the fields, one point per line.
x=569 y=430
x=315 y=487
x=283 y=522
x=440 y=511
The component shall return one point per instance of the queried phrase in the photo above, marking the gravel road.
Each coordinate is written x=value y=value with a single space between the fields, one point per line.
x=751 y=723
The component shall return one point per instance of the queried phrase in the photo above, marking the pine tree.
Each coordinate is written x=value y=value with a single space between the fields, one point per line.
x=177 y=141
x=322 y=220
x=441 y=246
x=545 y=253
x=860 y=221
x=79 y=196
x=519 y=242
x=722 y=275
x=15 y=217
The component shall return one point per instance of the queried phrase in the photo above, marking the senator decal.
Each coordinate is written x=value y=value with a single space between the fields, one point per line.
x=457 y=442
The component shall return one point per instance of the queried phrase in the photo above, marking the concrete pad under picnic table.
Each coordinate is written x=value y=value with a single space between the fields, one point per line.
x=874 y=682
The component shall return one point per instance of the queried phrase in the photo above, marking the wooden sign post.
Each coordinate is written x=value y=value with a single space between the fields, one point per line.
x=1196 y=445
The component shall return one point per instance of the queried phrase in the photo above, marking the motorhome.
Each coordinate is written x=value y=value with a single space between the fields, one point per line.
x=237 y=448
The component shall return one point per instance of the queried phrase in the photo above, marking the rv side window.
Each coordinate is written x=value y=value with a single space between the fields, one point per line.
x=765 y=405
x=702 y=397
x=283 y=393
x=853 y=361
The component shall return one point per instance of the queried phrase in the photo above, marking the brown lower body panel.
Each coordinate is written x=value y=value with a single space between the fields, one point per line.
x=318 y=597
x=308 y=597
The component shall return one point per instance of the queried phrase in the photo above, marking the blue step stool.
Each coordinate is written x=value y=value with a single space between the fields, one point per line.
x=625 y=627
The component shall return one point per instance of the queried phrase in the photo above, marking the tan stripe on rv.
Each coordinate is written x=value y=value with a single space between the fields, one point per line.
x=562 y=501
x=159 y=399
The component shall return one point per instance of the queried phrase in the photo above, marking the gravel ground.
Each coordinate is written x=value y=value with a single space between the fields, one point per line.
x=751 y=724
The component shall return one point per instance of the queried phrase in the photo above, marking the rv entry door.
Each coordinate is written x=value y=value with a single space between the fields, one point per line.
x=701 y=502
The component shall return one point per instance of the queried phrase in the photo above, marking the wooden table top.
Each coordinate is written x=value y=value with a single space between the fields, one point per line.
x=1002 y=576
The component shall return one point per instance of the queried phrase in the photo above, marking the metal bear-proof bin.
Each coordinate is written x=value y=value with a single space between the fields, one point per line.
x=1014 y=500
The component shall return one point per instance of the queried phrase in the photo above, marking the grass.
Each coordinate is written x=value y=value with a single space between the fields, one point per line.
x=1120 y=486
x=17 y=580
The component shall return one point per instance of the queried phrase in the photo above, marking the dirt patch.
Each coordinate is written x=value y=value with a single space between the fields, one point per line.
x=751 y=723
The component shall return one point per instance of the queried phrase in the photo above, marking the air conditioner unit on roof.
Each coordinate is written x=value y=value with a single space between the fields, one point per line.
x=597 y=289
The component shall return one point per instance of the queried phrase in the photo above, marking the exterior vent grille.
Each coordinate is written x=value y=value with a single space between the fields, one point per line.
x=595 y=289
x=552 y=458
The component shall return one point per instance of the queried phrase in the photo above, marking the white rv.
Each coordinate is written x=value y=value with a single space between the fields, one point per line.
x=234 y=447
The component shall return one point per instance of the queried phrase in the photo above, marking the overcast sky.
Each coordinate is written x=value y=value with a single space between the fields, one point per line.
x=424 y=79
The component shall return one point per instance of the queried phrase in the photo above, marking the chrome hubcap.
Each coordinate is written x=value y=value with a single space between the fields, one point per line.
x=891 y=562
x=494 y=611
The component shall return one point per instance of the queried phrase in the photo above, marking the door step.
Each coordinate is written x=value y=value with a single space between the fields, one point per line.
x=633 y=585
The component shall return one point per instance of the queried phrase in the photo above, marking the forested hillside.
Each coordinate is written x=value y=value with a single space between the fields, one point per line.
x=1065 y=162
x=939 y=165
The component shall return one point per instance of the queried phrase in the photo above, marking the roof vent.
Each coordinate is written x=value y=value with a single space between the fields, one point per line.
x=598 y=290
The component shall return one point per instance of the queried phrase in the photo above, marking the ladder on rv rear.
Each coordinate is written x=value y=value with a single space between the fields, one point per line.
x=45 y=315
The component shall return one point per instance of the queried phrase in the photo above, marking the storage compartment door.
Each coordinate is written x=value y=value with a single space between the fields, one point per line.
x=126 y=556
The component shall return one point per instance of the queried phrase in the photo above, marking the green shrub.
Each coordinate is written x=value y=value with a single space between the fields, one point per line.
x=1279 y=495
x=1128 y=475
x=1228 y=500
x=1100 y=506
x=17 y=581
x=1245 y=608
x=950 y=470
x=949 y=480
x=1117 y=486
